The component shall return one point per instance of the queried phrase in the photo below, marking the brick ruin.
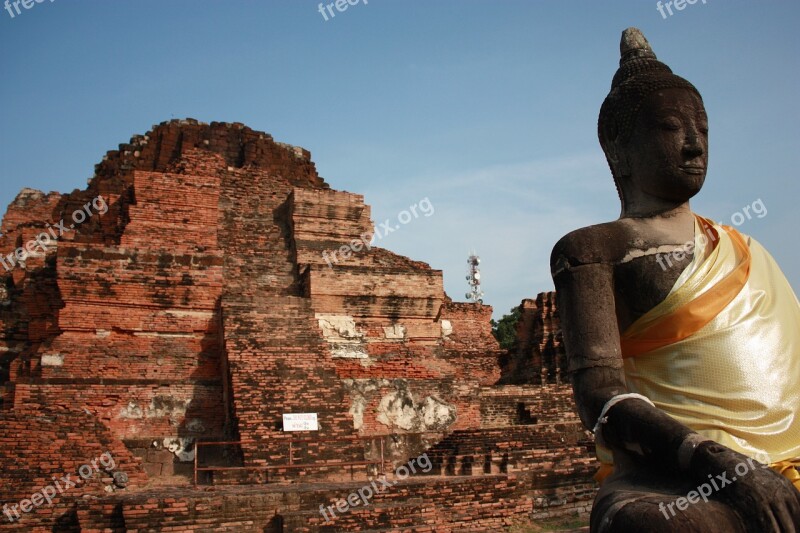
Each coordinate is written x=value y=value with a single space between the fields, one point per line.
x=538 y=355
x=194 y=303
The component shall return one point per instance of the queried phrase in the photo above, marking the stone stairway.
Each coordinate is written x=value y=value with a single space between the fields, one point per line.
x=269 y=348
x=276 y=360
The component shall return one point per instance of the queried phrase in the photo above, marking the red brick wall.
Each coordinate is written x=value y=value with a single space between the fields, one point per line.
x=36 y=448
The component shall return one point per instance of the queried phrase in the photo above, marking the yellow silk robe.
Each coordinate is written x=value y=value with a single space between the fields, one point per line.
x=721 y=353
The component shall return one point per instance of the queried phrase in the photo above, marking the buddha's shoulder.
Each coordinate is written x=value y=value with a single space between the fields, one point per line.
x=605 y=243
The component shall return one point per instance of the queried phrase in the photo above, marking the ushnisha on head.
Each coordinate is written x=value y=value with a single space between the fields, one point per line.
x=638 y=132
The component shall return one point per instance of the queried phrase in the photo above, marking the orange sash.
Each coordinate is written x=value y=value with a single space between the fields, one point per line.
x=694 y=315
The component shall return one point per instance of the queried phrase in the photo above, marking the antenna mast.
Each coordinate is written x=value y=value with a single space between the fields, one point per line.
x=475 y=294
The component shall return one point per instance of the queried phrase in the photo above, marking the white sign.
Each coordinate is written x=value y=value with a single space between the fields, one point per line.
x=300 y=422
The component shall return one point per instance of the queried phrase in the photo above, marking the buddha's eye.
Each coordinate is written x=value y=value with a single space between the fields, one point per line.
x=670 y=124
x=703 y=128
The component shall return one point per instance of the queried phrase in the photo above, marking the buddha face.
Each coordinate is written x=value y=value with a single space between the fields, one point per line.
x=666 y=157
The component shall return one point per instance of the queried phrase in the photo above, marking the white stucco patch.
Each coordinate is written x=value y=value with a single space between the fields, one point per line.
x=447 y=328
x=395 y=331
x=357 y=411
x=360 y=389
x=338 y=327
x=183 y=448
x=436 y=414
x=131 y=411
x=52 y=359
x=345 y=350
x=400 y=409
x=160 y=407
x=346 y=342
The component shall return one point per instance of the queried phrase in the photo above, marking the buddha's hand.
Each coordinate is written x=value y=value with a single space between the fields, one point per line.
x=760 y=495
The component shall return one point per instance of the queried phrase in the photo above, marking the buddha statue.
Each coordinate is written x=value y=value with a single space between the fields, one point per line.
x=687 y=370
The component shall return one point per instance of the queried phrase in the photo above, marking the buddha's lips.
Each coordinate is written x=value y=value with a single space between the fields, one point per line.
x=693 y=169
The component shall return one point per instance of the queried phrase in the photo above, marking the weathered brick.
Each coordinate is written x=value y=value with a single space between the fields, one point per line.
x=204 y=305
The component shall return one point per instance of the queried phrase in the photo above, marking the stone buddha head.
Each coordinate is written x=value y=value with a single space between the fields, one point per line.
x=653 y=129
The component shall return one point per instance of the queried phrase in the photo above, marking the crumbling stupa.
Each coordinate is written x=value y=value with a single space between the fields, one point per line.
x=198 y=307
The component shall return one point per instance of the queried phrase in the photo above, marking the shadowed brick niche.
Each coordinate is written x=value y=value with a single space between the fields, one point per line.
x=201 y=307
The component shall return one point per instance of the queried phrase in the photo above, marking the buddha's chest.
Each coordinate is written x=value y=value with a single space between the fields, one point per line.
x=642 y=283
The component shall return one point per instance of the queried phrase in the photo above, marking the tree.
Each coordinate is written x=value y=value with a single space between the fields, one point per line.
x=505 y=329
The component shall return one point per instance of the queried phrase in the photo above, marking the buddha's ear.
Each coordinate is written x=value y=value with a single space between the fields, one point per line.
x=618 y=158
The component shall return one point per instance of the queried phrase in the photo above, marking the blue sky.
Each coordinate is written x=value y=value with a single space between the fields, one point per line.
x=486 y=108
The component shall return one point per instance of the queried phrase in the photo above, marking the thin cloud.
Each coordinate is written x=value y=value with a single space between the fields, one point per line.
x=511 y=214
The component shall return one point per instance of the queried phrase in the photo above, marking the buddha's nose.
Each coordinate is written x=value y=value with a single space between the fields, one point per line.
x=693 y=144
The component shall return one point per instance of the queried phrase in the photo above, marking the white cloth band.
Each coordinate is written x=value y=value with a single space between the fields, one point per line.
x=603 y=418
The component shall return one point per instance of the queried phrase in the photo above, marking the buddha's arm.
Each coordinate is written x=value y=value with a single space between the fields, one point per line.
x=591 y=337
